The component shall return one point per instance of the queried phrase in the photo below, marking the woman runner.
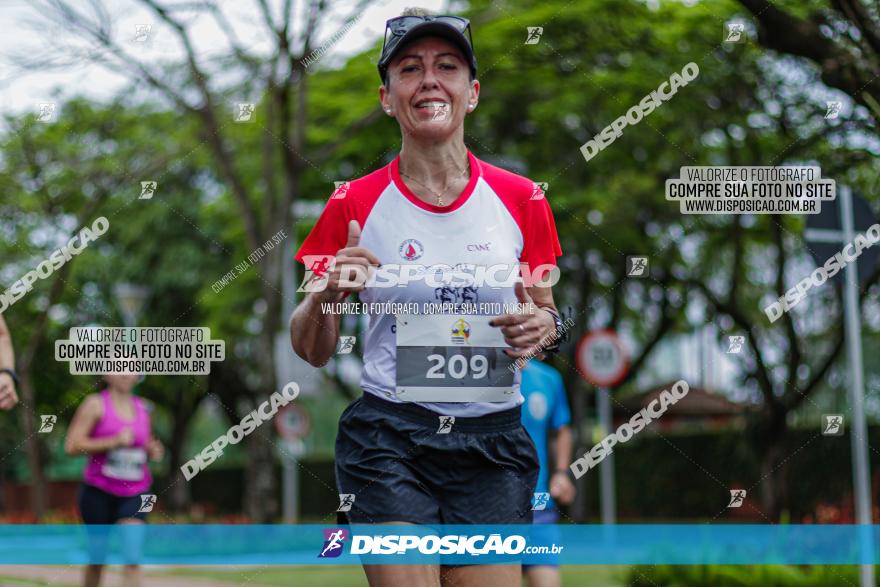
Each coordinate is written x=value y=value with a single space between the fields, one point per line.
x=398 y=452
x=113 y=427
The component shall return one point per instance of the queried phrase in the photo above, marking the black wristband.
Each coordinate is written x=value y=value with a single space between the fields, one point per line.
x=560 y=332
x=11 y=374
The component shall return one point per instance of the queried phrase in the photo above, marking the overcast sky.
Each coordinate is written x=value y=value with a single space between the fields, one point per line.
x=26 y=31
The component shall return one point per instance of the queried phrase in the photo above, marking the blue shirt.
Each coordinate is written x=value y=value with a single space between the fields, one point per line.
x=545 y=408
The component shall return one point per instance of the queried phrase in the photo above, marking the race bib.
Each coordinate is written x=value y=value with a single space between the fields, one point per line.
x=125 y=464
x=452 y=358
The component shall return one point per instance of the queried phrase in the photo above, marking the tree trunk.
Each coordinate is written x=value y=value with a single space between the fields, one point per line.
x=773 y=484
x=180 y=491
x=28 y=360
x=261 y=485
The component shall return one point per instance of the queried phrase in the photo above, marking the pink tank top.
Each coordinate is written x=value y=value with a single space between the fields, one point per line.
x=121 y=471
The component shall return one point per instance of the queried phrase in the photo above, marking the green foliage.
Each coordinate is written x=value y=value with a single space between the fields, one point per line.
x=742 y=576
x=538 y=105
x=651 y=472
x=90 y=164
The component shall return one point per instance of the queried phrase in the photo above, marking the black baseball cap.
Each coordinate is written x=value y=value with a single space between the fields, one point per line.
x=403 y=29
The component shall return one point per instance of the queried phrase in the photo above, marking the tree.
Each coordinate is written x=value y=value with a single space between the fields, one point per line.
x=840 y=37
x=265 y=207
x=838 y=41
x=746 y=108
x=60 y=177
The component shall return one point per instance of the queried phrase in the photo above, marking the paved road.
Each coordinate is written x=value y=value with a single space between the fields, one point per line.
x=72 y=575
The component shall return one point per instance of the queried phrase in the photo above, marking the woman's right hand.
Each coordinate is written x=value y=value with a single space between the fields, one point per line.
x=352 y=267
x=124 y=438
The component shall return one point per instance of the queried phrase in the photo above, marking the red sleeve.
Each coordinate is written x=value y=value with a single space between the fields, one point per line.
x=351 y=201
x=540 y=240
x=527 y=204
x=330 y=232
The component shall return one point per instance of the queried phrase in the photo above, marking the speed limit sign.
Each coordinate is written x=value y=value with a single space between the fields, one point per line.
x=293 y=422
x=601 y=358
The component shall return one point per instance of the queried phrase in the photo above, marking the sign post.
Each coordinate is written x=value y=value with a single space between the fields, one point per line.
x=841 y=231
x=293 y=424
x=602 y=361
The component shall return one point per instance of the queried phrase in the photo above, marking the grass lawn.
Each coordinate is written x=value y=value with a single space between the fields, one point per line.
x=351 y=576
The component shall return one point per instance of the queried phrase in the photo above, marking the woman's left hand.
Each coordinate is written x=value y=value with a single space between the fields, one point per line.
x=524 y=330
x=561 y=488
x=155 y=450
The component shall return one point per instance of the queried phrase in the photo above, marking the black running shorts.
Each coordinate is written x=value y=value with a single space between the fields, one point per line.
x=400 y=468
x=96 y=506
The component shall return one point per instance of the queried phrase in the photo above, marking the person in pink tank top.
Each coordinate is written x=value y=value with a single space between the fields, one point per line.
x=113 y=428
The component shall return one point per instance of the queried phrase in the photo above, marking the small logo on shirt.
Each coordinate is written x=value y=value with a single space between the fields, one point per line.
x=411 y=249
x=537 y=406
x=461 y=332
x=479 y=246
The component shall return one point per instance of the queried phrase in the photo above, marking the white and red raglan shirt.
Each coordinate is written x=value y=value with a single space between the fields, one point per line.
x=500 y=217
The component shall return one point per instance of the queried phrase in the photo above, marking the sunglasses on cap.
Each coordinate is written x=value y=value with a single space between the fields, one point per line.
x=402 y=29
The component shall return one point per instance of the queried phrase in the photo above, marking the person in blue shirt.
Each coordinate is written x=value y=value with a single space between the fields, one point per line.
x=545 y=410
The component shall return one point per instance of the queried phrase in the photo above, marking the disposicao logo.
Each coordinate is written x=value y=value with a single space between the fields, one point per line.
x=334 y=542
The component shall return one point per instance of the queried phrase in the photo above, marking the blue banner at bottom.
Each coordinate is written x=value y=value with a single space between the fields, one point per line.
x=309 y=544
